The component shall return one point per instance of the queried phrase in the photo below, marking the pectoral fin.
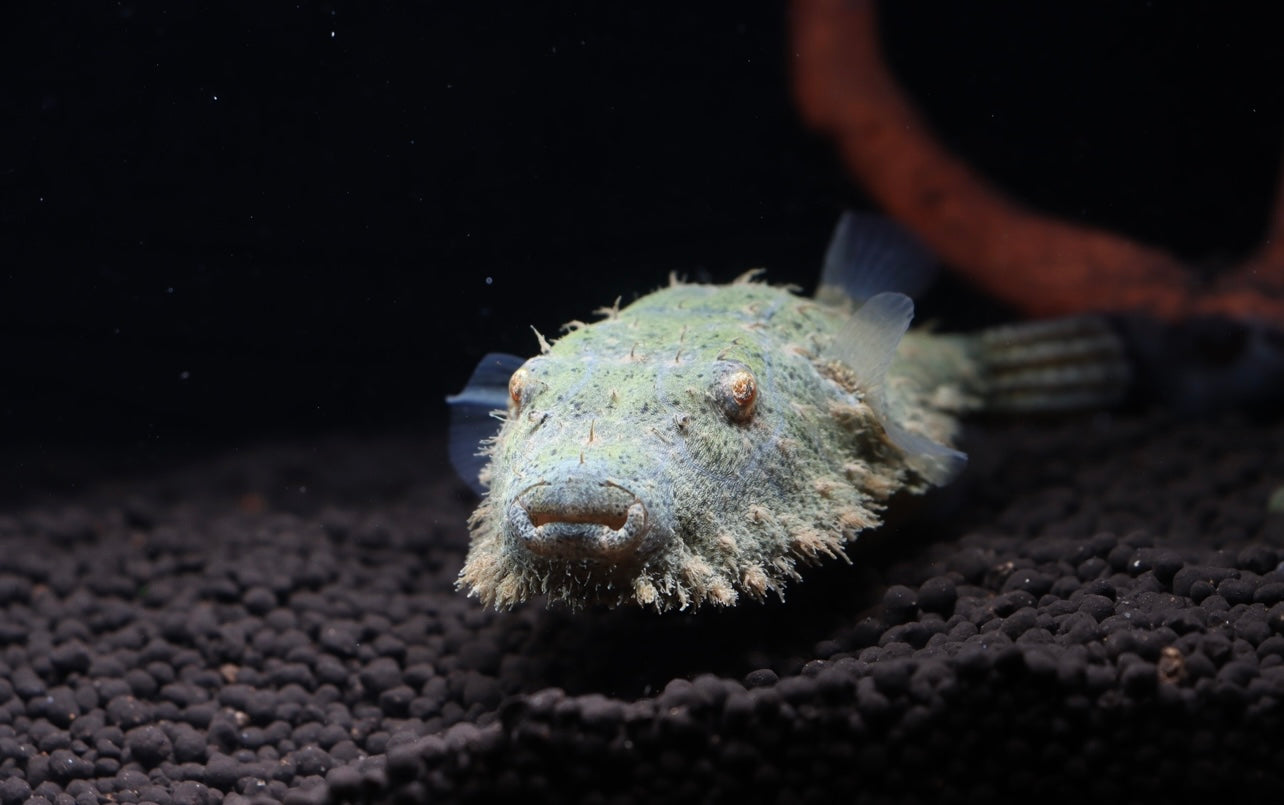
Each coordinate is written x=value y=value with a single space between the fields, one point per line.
x=867 y=345
x=472 y=419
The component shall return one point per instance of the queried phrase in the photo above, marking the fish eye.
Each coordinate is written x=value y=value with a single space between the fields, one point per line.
x=517 y=385
x=737 y=393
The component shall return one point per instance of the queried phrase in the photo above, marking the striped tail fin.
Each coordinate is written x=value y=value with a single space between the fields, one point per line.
x=1056 y=365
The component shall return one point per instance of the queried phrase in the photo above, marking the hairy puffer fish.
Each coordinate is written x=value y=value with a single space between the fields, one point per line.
x=706 y=441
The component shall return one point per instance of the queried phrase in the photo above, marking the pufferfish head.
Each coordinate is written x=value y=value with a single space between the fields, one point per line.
x=594 y=455
x=602 y=464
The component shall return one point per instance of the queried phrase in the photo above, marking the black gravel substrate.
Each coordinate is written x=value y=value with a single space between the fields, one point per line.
x=1096 y=611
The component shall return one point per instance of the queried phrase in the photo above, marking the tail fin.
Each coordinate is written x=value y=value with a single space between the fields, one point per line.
x=1057 y=365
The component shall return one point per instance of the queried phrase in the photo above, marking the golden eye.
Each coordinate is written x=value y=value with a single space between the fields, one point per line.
x=738 y=393
x=517 y=385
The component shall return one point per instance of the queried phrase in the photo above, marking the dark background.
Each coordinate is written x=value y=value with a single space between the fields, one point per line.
x=221 y=222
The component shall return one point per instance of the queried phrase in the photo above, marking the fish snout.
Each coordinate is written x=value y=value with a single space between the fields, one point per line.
x=579 y=520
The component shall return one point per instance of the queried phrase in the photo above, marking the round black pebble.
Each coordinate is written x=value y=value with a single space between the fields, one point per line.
x=900 y=604
x=761 y=678
x=148 y=745
x=938 y=594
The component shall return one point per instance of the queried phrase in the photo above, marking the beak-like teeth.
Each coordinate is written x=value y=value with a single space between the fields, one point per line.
x=578 y=520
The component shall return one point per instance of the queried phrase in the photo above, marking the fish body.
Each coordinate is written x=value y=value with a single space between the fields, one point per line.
x=707 y=441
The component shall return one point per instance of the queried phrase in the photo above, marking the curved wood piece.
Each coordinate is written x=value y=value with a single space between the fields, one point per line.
x=1043 y=265
x=1255 y=288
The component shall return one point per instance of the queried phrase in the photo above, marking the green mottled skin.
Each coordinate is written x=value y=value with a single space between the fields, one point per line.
x=637 y=402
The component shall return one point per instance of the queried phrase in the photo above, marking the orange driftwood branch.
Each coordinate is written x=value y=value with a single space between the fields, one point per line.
x=1255 y=288
x=1043 y=265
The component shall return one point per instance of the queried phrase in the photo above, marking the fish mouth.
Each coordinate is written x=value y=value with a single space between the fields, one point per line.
x=579 y=520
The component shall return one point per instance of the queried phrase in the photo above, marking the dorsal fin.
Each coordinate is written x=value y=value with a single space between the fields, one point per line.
x=471 y=420
x=867 y=344
x=871 y=254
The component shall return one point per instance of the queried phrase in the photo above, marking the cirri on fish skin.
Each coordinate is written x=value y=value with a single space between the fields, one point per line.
x=706 y=442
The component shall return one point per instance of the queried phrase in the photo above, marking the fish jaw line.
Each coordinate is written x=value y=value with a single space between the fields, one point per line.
x=599 y=521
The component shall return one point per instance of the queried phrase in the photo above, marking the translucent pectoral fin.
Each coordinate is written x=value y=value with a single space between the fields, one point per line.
x=936 y=462
x=867 y=343
x=471 y=415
